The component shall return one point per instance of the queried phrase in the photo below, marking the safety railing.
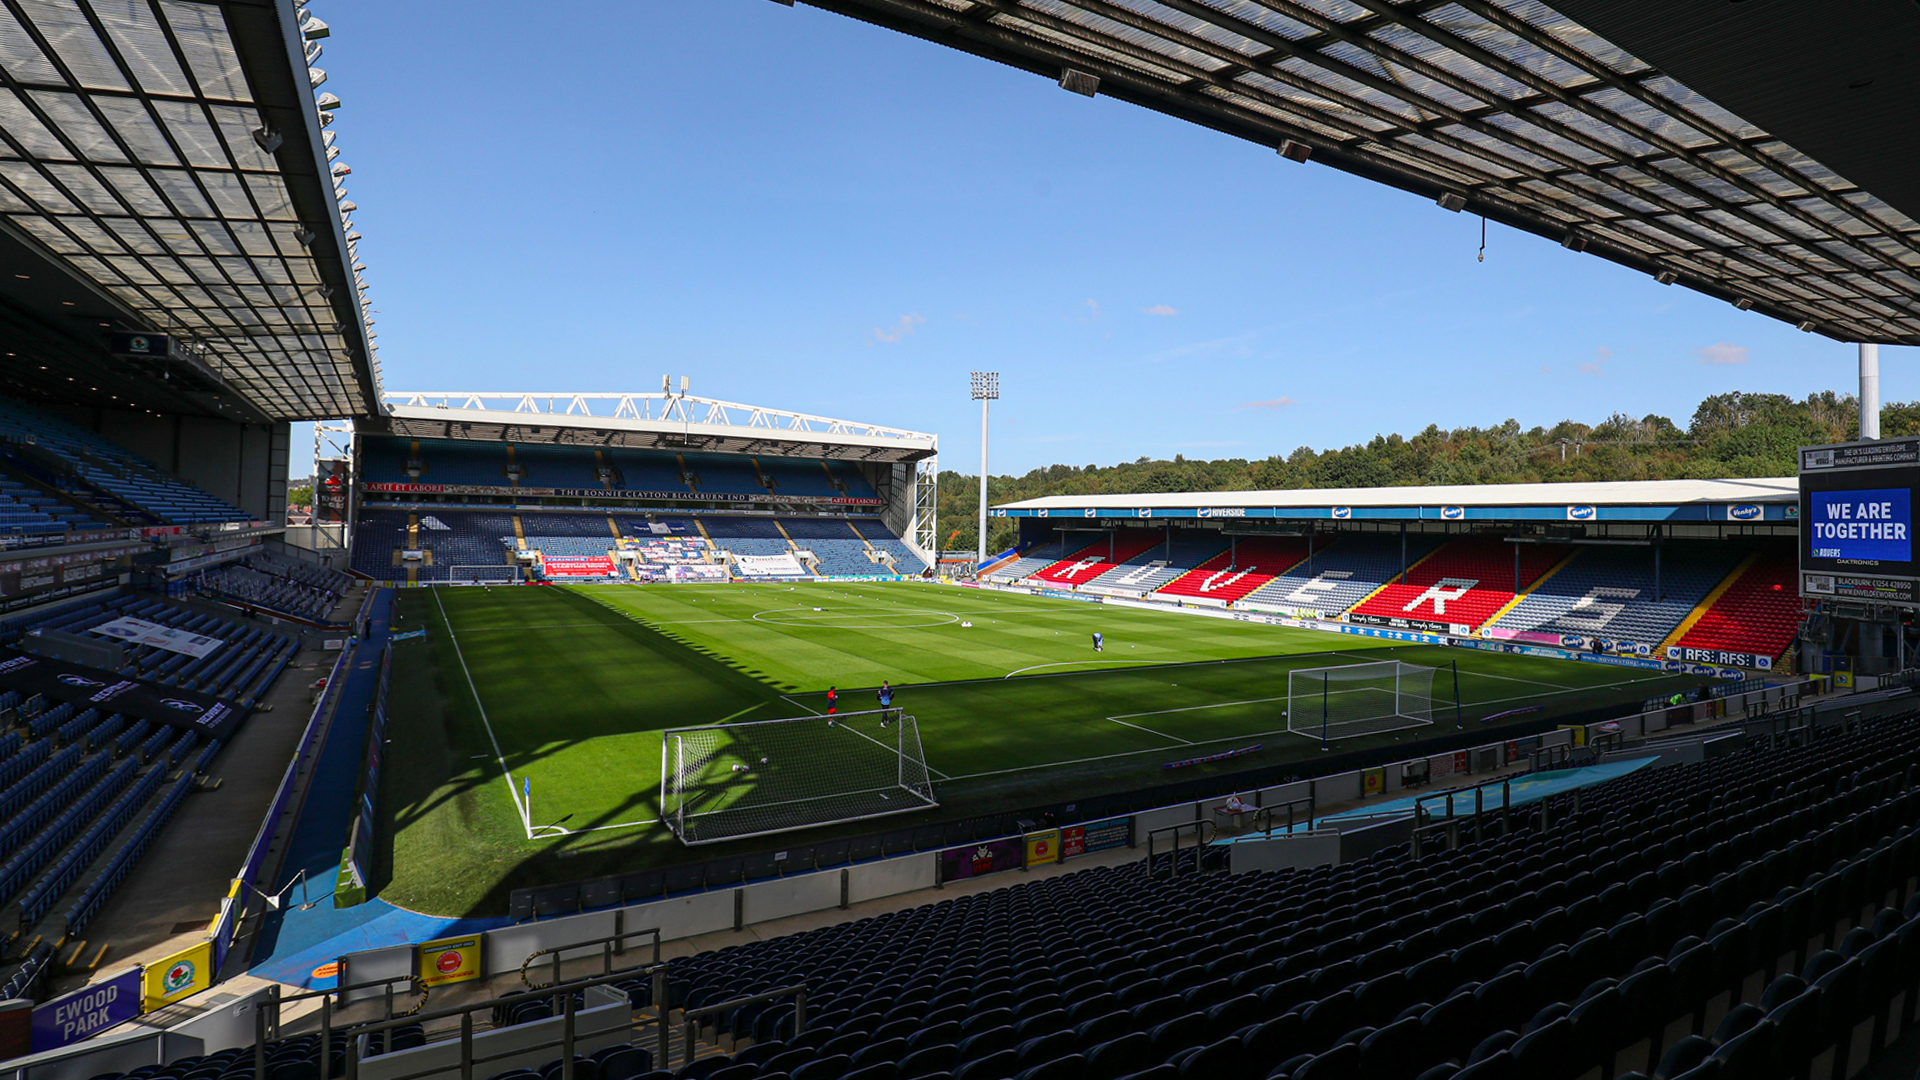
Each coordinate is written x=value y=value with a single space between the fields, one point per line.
x=266 y=1019
x=1204 y=833
x=1265 y=818
x=1450 y=825
x=356 y=1036
x=690 y=1020
x=610 y=946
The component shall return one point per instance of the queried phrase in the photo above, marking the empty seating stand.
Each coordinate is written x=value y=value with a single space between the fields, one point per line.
x=1105 y=553
x=101 y=472
x=1733 y=919
x=1248 y=563
x=1611 y=592
x=278 y=584
x=1759 y=614
x=1464 y=583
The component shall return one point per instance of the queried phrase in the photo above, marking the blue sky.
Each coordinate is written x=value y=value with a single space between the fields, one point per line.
x=802 y=211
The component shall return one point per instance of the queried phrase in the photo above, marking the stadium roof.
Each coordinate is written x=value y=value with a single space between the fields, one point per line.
x=1763 y=154
x=1774 y=499
x=659 y=421
x=163 y=170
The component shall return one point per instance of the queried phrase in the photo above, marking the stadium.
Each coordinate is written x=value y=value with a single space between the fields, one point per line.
x=613 y=734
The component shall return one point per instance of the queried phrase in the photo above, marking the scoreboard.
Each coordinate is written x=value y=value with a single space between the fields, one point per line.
x=1856 y=522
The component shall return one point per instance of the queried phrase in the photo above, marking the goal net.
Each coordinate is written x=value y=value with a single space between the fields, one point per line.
x=1358 y=699
x=729 y=781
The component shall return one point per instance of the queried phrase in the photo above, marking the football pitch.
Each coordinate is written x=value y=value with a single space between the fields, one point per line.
x=564 y=692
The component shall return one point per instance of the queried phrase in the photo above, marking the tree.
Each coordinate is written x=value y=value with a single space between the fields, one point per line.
x=1729 y=435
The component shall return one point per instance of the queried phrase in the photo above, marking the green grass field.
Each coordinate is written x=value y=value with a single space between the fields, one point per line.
x=570 y=687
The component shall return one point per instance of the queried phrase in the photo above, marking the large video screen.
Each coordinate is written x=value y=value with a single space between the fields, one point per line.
x=1869 y=525
x=1858 y=520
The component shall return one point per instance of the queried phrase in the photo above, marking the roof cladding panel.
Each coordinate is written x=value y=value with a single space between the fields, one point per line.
x=169 y=152
x=1562 y=120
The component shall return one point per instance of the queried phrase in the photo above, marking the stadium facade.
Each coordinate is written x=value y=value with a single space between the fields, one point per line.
x=1655 y=573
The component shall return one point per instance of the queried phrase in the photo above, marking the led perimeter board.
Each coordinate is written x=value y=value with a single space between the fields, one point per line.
x=1856 y=522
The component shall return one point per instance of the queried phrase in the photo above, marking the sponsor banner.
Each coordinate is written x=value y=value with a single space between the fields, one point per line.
x=1062 y=594
x=615 y=493
x=782 y=565
x=1111 y=833
x=1397 y=635
x=1518 y=649
x=983 y=858
x=1373 y=781
x=408 y=636
x=1399 y=623
x=142 y=632
x=330 y=492
x=449 y=960
x=705 y=572
x=1887 y=590
x=183 y=974
x=1720 y=657
x=1439 y=765
x=86 y=1012
x=579 y=567
x=1857 y=455
x=1043 y=847
x=138 y=700
x=1073 y=841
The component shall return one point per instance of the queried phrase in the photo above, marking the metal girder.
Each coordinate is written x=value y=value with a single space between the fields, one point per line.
x=169 y=156
x=1503 y=107
x=647 y=420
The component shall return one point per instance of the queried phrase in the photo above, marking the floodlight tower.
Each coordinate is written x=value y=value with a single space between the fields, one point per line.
x=986 y=387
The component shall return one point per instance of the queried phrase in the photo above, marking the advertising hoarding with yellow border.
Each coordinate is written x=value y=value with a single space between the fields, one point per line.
x=1043 y=847
x=183 y=974
x=450 y=960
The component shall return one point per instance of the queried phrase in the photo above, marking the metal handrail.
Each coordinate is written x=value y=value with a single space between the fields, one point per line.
x=607 y=949
x=690 y=1018
x=1204 y=833
x=262 y=1019
x=565 y=991
x=1267 y=814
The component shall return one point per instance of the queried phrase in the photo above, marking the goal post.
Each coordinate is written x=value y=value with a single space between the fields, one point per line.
x=732 y=781
x=1342 y=702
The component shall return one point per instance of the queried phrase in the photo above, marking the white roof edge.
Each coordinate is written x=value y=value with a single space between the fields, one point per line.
x=894 y=440
x=1604 y=493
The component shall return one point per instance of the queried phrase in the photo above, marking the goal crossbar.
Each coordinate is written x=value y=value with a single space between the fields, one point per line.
x=1350 y=700
x=759 y=777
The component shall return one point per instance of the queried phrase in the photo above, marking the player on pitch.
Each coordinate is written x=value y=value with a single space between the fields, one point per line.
x=1099 y=641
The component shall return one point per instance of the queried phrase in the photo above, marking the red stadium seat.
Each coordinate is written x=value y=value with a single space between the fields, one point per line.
x=1758 y=614
x=1233 y=574
x=1098 y=558
x=1464 y=583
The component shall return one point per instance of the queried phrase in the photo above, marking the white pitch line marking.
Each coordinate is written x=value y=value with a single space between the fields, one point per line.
x=512 y=795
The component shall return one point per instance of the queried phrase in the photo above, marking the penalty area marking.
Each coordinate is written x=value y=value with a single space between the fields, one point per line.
x=1069 y=762
x=891 y=749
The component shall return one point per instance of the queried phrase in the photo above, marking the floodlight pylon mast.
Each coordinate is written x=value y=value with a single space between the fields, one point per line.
x=986 y=388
